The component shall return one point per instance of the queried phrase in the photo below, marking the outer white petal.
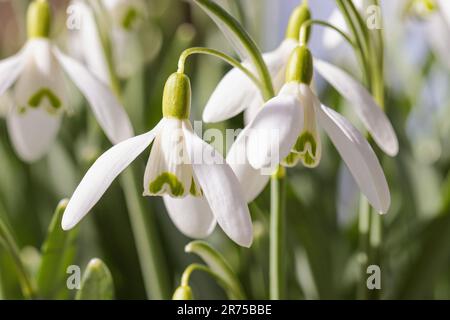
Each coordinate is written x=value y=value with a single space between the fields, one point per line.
x=252 y=180
x=236 y=92
x=10 y=68
x=274 y=131
x=373 y=118
x=359 y=157
x=108 y=111
x=85 y=42
x=102 y=173
x=191 y=215
x=221 y=189
x=32 y=133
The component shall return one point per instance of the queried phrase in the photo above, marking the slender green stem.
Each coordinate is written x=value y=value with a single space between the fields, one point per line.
x=207 y=51
x=147 y=240
x=277 y=203
x=362 y=52
x=232 y=294
x=306 y=24
x=7 y=241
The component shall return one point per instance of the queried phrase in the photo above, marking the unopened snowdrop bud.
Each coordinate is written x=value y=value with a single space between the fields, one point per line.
x=300 y=66
x=298 y=17
x=177 y=96
x=183 y=293
x=38 y=19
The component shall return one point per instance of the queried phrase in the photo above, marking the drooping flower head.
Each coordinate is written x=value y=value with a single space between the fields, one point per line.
x=349 y=142
x=198 y=186
x=36 y=76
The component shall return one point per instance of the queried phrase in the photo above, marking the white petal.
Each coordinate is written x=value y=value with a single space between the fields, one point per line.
x=373 y=118
x=108 y=111
x=85 y=42
x=168 y=170
x=10 y=68
x=236 y=92
x=221 y=189
x=274 y=131
x=101 y=174
x=252 y=181
x=191 y=215
x=359 y=157
x=32 y=132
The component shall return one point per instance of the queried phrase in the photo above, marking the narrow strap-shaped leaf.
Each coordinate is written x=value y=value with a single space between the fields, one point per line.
x=97 y=283
x=57 y=253
x=240 y=40
x=218 y=265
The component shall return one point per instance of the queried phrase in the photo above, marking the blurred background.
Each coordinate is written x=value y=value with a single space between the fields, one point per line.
x=322 y=204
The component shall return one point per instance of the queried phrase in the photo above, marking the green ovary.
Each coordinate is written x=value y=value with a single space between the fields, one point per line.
x=36 y=99
x=176 y=187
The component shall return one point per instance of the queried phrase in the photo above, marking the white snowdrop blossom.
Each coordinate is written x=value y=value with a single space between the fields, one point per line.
x=349 y=142
x=197 y=185
x=36 y=78
x=236 y=93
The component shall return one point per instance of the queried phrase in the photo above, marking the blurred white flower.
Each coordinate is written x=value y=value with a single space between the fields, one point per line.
x=197 y=191
x=132 y=39
x=36 y=74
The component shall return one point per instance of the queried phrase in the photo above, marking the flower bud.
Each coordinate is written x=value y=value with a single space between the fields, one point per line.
x=38 y=19
x=183 y=293
x=300 y=66
x=177 y=96
x=298 y=17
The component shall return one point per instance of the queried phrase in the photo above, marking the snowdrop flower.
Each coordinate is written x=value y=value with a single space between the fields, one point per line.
x=350 y=143
x=133 y=40
x=36 y=75
x=236 y=92
x=197 y=185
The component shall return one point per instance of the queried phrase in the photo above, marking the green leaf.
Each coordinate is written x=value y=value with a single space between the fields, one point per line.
x=57 y=254
x=240 y=41
x=97 y=283
x=218 y=265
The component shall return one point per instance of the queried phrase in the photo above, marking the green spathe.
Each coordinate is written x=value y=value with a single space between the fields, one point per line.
x=177 y=96
x=300 y=15
x=300 y=66
x=38 y=19
x=176 y=187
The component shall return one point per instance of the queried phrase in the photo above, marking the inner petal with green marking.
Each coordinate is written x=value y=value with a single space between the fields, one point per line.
x=308 y=150
x=46 y=98
x=168 y=170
